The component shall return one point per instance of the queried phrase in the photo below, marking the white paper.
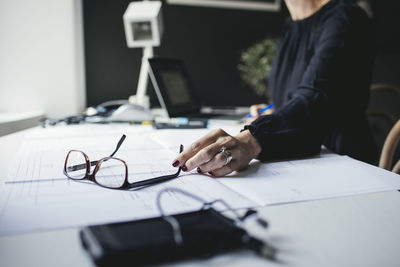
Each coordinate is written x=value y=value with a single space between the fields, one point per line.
x=310 y=179
x=37 y=196
x=42 y=154
x=35 y=206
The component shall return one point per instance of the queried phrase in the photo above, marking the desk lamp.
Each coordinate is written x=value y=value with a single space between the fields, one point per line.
x=143 y=28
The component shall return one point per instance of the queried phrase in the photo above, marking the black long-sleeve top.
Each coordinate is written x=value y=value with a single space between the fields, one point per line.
x=320 y=86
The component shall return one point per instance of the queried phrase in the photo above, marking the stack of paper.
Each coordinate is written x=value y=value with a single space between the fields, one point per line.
x=37 y=196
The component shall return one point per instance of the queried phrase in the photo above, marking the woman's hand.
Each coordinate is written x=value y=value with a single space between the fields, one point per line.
x=254 y=109
x=205 y=154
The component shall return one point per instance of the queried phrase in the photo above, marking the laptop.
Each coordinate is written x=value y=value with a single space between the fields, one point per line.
x=176 y=94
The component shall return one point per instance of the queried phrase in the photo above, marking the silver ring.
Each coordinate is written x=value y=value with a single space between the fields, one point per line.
x=227 y=154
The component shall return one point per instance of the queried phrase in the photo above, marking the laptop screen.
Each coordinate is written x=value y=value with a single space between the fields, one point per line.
x=173 y=86
x=177 y=87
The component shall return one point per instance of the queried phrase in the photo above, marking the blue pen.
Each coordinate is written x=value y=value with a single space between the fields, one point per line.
x=262 y=110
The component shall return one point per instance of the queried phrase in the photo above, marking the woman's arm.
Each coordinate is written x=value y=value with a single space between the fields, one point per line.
x=331 y=93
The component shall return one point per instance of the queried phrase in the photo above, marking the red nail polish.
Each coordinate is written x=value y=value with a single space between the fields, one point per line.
x=175 y=163
x=184 y=168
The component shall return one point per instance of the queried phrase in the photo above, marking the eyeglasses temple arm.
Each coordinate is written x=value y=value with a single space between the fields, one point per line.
x=80 y=166
x=157 y=179
x=118 y=145
x=93 y=163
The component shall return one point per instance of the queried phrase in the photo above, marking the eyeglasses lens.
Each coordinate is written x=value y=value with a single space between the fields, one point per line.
x=76 y=165
x=111 y=173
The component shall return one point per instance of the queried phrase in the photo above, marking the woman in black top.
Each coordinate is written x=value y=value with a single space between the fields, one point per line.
x=320 y=87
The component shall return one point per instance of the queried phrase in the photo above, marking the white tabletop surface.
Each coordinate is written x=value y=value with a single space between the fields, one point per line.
x=362 y=230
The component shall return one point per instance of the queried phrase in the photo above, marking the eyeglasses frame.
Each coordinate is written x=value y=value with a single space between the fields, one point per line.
x=126 y=185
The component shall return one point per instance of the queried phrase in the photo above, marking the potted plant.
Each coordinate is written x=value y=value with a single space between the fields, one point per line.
x=255 y=65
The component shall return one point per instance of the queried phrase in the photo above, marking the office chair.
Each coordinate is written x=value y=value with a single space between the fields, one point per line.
x=389 y=149
x=383 y=112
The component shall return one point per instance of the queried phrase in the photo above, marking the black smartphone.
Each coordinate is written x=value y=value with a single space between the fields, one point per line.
x=151 y=241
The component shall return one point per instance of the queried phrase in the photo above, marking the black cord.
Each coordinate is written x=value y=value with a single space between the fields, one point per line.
x=260 y=247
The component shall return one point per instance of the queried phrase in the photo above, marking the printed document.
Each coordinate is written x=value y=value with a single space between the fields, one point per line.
x=37 y=196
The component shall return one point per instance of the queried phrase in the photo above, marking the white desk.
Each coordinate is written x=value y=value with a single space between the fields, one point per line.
x=361 y=230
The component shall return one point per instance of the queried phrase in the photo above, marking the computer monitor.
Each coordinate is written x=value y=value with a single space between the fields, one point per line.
x=173 y=86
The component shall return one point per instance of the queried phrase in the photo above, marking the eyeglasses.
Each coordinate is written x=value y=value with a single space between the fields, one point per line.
x=108 y=172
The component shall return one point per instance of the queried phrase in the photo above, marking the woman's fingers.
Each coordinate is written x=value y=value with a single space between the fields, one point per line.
x=206 y=153
x=209 y=152
x=196 y=147
x=218 y=161
x=226 y=169
x=254 y=109
x=268 y=111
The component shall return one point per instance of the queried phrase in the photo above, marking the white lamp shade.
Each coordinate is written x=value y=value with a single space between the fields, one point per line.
x=143 y=24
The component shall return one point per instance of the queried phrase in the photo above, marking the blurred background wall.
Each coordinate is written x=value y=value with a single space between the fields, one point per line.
x=210 y=41
x=41 y=57
x=48 y=48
